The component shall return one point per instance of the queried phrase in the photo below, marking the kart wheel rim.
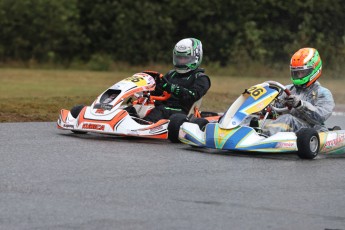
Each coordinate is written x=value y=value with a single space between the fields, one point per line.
x=313 y=144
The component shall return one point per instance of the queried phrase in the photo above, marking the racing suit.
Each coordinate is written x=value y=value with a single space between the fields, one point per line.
x=316 y=107
x=192 y=86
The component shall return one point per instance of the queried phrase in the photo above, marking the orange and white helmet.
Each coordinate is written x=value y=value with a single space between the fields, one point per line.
x=305 y=67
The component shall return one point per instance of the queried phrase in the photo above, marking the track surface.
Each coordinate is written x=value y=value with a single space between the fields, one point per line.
x=52 y=179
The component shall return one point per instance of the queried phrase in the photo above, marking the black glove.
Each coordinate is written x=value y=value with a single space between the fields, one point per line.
x=171 y=88
x=293 y=101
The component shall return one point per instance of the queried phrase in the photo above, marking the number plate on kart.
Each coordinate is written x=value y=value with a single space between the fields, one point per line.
x=256 y=91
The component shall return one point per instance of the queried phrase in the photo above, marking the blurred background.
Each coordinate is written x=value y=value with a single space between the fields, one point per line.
x=97 y=34
x=58 y=53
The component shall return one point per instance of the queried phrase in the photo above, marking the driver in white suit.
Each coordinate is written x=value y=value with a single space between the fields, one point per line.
x=311 y=104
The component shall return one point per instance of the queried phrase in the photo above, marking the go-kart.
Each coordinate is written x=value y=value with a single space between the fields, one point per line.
x=233 y=132
x=121 y=109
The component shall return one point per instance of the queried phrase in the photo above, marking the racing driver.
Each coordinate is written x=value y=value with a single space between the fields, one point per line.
x=311 y=104
x=186 y=83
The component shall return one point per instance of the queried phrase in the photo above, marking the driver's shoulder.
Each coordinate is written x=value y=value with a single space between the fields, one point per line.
x=320 y=88
x=324 y=91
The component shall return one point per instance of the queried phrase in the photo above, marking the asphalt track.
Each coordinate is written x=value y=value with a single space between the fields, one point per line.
x=52 y=179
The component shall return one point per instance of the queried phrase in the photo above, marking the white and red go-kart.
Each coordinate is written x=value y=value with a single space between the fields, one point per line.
x=120 y=110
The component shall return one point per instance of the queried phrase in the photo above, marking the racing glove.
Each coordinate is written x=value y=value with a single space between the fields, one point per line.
x=293 y=101
x=171 y=88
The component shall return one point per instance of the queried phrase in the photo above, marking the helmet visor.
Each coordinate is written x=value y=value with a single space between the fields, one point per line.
x=300 y=73
x=182 y=60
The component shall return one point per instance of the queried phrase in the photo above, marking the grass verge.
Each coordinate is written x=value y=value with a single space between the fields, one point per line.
x=38 y=95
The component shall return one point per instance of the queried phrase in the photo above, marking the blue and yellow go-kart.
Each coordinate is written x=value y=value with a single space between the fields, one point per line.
x=232 y=133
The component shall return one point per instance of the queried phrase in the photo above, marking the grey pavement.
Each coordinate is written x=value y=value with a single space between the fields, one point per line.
x=53 y=179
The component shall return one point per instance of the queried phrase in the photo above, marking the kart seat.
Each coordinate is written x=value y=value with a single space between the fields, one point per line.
x=197 y=105
x=131 y=111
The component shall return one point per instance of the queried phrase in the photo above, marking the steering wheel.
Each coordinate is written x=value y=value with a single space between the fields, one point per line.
x=165 y=96
x=280 y=88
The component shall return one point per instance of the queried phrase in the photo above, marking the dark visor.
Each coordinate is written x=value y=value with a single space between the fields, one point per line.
x=300 y=73
x=183 y=60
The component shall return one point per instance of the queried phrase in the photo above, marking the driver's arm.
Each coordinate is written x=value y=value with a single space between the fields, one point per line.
x=317 y=114
x=193 y=93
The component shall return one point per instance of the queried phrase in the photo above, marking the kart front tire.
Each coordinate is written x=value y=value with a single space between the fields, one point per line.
x=78 y=132
x=75 y=111
x=176 y=120
x=308 y=143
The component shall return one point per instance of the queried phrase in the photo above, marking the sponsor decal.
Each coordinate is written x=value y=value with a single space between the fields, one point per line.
x=134 y=132
x=106 y=107
x=101 y=111
x=181 y=47
x=150 y=80
x=260 y=105
x=312 y=77
x=334 y=142
x=68 y=126
x=93 y=126
x=156 y=129
x=285 y=145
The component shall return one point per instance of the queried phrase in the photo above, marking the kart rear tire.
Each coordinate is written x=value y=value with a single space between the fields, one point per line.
x=308 y=143
x=201 y=122
x=75 y=111
x=176 y=120
x=208 y=114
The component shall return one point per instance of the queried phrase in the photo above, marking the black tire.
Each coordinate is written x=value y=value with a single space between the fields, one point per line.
x=308 y=143
x=201 y=122
x=75 y=113
x=78 y=132
x=335 y=128
x=176 y=120
x=208 y=114
x=76 y=110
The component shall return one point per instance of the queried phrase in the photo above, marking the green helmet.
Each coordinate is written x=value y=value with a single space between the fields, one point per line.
x=305 y=67
x=187 y=55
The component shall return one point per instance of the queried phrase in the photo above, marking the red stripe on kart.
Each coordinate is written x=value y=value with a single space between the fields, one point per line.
x=118 y=117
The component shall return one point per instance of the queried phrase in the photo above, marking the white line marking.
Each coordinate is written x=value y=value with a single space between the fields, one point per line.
x=338 y=114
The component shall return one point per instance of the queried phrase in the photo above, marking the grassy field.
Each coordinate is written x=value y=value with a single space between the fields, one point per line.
x=38 y=95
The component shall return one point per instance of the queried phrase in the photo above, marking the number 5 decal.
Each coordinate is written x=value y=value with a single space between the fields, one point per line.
x=139 y=81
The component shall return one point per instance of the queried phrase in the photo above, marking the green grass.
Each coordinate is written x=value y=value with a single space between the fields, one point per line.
x=38 y=95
